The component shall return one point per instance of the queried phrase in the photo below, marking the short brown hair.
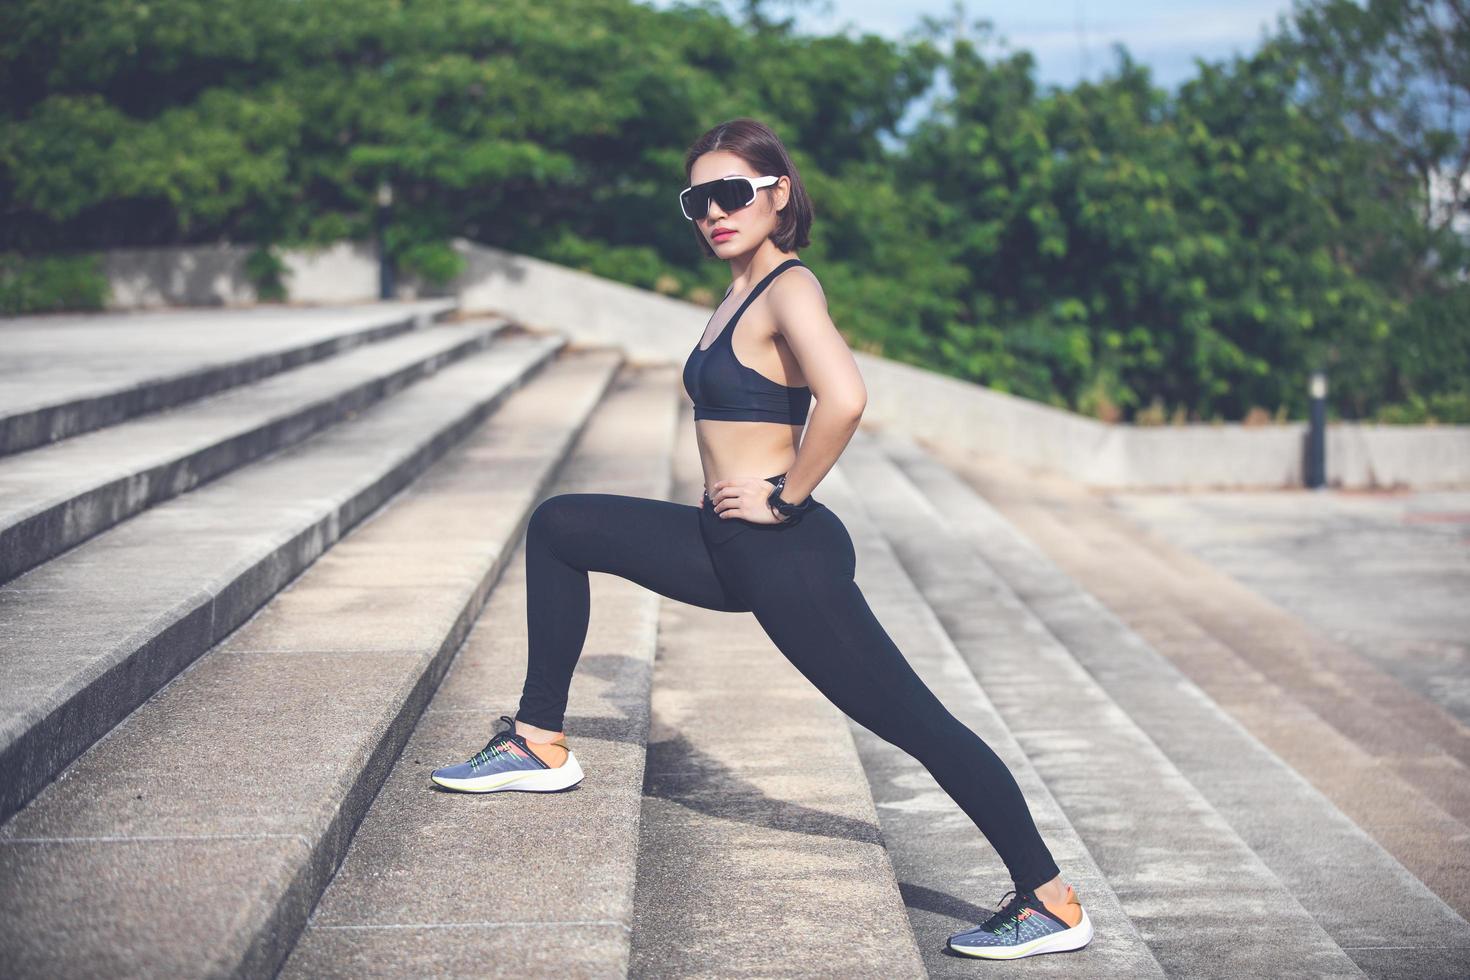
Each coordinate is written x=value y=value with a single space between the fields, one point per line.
x=762 y=150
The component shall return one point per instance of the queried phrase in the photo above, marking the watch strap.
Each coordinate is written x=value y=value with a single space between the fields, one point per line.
x=788 y=511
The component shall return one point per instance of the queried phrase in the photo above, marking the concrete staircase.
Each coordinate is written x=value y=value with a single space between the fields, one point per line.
x=261 y=574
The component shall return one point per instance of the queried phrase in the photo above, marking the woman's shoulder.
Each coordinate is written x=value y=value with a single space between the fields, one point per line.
x=797 y=282
x=796 y=297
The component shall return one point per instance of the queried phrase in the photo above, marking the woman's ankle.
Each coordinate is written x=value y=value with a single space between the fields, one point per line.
x=1053 y=892
x=536 y=735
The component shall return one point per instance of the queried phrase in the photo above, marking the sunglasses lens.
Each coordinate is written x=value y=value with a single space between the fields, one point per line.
x=730 y=195
x=694 y=202
x=733 y=194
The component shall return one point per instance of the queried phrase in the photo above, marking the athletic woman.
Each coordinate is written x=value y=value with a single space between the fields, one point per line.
x=764 y=544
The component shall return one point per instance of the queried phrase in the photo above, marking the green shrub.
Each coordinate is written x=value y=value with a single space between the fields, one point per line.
x=47 y=283
x=267 y=273
x=434 y=262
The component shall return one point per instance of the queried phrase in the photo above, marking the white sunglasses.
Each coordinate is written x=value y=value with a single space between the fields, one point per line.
x=730 y=193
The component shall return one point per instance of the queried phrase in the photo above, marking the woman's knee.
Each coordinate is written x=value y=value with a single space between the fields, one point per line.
x=555 y=519
x=596 y=530
x=546 y=511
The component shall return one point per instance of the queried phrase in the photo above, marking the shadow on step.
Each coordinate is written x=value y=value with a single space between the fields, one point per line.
x=942 y=903
x=679 y=772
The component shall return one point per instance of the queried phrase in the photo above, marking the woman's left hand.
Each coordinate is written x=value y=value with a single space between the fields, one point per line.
x=744 y=496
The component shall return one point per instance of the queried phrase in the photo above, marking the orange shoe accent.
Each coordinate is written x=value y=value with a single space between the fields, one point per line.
x=1069 y=911
x=561 y=741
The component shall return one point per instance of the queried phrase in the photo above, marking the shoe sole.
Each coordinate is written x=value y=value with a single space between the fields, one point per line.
x=564 y=776
x=1058 y=942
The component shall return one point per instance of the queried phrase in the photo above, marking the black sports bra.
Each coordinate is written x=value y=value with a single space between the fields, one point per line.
x=723 y=388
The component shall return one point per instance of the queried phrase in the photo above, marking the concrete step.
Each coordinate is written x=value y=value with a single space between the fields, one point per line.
x=1314 y=565
x=515 y=884
x=950 y=874
x=64 y=374
x=1191 y=817
x=197 y=836
x=1384 y=754
x=88 y=636
x=760 y=851
x=55 y=496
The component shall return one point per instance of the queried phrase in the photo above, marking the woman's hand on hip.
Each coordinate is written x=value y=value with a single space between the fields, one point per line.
x=745 y=497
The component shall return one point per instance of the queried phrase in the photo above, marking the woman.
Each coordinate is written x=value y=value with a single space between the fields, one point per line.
x=764 y=544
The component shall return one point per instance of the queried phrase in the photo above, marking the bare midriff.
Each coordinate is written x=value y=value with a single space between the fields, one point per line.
x=734 y=449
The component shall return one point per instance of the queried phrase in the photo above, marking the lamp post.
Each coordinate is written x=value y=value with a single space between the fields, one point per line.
x=385 y=262
x=1317 y=432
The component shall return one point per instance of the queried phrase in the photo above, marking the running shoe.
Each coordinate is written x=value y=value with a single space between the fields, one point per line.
x=506 y=763
x=1024 y=926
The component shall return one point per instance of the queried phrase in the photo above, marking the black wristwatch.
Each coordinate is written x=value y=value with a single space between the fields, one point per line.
x=790 y=513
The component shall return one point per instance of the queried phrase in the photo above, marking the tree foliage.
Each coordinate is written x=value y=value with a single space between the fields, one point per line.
x=1111 y=247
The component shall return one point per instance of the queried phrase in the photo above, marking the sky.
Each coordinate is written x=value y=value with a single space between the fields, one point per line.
x=1071 y=39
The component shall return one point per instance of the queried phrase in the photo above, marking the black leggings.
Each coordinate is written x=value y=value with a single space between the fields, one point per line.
x=798 y=581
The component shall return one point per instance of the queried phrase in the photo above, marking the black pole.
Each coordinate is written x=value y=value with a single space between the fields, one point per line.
x=386 y=287
x=1317 y=433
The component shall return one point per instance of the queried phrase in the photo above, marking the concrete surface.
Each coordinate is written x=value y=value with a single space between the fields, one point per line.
x=1394 y=761
x=1387 y=574
x=275 y=736
x=215 y=274
x=454 y=884
x=63 y=374
x=56 y=496
x=1323 y=858
x=90 y=635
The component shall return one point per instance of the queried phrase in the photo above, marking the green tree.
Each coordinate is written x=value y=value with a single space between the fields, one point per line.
x=1110 y=247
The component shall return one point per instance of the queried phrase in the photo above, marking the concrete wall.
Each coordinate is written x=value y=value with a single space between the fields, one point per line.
x=214 y=275
x=200 y=275
x=1364 y=455
x=654 y=328
x=649 y=326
